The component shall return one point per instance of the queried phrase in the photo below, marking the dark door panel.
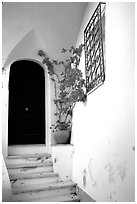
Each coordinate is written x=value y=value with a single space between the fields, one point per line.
x=26 y=103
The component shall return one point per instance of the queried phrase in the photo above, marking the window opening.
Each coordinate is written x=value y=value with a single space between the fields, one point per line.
x=94 y=38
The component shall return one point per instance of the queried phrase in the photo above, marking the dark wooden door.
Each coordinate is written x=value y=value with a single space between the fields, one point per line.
x=26 y=103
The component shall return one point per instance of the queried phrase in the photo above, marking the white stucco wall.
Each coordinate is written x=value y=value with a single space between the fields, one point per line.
x=6 y=187
x=62 y=157
x=103 y=128
x=27 y=48
x=50 y=25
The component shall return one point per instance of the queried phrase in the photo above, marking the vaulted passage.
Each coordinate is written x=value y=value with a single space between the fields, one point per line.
x=26 y=123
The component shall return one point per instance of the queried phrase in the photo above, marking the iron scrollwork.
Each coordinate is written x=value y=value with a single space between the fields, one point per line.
x=94 y=55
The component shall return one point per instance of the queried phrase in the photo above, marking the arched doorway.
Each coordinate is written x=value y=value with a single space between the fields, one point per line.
x=26 y=123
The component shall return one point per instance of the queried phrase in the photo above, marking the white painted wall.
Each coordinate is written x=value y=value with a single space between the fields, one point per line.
x=5 y=98
x=62 y=156
x=103 y=128
x=6 y=187
x=29 y=26
x=27 y=48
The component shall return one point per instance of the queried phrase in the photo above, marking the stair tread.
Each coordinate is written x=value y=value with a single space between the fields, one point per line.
x=23 y=165
x=42 y=187
x=62 y=198
x=32 y=175
x=28 y=156
x=38 y=184
x=65 y=198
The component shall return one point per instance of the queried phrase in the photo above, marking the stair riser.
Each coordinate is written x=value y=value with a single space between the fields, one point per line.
x=33 y=176
x=43 y=194
x=35 y=160
x=76 y=200
x=51 y=186
x=35 y=181
x=27 y=170
x=63 y=198
x=51 y=200
x=23 y=149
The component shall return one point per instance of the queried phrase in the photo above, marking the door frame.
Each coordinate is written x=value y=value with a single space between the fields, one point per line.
x=5 y=106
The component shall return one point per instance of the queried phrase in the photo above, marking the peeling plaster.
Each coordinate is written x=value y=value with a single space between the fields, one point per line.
x=122 y=168
x=107 y=165
x=90 y=169
x=122 y=174
x=111 y=172
x=84 y=178
x=94 y=184
x=72 y=154
x=111 y=177
x=55 y=160
x=112 y=196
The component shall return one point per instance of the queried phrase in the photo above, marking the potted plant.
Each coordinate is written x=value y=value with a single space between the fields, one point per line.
x=69 y=89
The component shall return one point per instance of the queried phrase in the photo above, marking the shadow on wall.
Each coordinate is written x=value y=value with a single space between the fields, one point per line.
x=84 y=197
x=6 y=187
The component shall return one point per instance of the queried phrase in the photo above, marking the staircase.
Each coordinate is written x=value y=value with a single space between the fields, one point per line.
x=33 y=180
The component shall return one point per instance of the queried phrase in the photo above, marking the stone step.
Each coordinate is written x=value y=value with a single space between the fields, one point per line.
x=62 y=198
x=24 y=165
x=26 y=170
x=28 y=159
x=40 y=187
x=29 y=156
x=33 y=175
x=53 y=190
x=33 y=179
x=18 y=150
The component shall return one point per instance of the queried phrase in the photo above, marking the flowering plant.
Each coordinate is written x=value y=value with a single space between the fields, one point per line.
x=69 y=85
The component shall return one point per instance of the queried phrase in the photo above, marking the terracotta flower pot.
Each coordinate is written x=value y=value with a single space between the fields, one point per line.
x=62 y=136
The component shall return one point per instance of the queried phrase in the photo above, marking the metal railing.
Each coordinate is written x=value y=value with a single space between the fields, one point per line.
x=94 y=53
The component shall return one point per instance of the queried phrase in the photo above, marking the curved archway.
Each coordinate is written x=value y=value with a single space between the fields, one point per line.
x=26 y=123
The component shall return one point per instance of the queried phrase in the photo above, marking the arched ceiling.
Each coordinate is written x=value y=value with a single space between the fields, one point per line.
x=56 y=23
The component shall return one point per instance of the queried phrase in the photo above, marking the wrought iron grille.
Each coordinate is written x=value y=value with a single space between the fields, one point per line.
x=94 y=56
